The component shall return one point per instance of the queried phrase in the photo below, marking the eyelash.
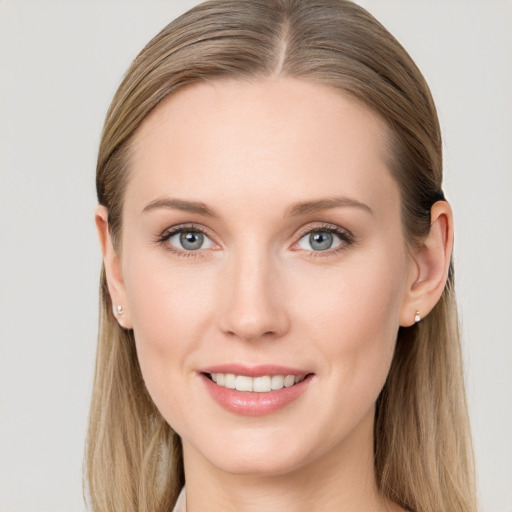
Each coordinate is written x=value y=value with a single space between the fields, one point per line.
x=346 y=239
x=345 y=236
x=166 y=235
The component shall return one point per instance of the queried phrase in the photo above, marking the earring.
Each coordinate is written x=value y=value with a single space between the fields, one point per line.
x=417 y=317
x=119 y=310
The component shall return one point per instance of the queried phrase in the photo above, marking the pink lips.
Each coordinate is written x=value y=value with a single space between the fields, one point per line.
x=250 y=403
x=253 y=371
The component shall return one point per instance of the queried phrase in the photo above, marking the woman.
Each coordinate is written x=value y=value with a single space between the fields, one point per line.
x=278 y=326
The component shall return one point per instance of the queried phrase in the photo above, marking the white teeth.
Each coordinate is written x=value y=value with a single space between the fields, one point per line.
x=230 y=381
x=289 y=380
x=262 y=384
x=243 y=383
x=277 y=381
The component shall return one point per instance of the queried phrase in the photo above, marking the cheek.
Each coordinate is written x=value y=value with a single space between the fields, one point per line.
x=359 y=295
x=165 y=301
x=352 y=314
x=169 y=308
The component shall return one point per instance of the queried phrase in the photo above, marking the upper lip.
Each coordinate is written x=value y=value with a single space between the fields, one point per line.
x=253 y=371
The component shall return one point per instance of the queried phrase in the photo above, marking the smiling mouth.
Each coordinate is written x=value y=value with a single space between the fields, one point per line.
x=261 y=384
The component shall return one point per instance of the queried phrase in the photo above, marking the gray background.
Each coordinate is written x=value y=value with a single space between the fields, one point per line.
x=60 y=63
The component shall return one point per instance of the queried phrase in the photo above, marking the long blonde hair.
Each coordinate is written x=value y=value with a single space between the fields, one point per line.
x=423 y=454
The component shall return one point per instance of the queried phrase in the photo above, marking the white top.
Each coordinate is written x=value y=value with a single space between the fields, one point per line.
x=181 y=503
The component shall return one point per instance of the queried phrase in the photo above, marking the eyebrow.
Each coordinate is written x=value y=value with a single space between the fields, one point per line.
x=325 y=204
x=296 y=209
x=180 y=204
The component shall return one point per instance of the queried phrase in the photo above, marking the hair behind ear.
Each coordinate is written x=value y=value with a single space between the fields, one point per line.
x=422 y=400
x=128 y=441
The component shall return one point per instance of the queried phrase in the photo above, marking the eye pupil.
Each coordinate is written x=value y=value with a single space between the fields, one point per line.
x=191 y=240
x=321 y=240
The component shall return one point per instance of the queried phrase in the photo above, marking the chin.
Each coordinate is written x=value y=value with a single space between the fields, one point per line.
x=268 y=456
x=268 y=467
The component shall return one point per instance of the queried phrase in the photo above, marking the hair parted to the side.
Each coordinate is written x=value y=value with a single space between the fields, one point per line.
x=423 y=453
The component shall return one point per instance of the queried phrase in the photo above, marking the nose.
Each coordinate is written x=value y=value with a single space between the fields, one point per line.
x=253 y=305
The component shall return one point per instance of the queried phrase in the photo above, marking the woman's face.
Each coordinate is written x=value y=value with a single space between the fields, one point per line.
x=262 y=240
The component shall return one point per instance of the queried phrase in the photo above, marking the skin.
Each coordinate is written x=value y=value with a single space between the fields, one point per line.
x=258 y=293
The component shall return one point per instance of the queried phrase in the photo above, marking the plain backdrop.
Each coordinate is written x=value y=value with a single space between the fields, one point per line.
x=60 y=63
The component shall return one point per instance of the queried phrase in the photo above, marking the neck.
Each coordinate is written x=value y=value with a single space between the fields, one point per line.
x=341 y=479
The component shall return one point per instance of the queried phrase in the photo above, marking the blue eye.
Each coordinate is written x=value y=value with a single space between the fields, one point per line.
x=322 y=240
x=188 y=240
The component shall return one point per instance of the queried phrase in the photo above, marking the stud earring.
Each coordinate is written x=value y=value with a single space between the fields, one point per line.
x=119 y=310
x=417 y=317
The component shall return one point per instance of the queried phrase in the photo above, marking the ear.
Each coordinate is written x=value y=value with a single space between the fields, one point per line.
x=430 y=262
x=113 y=271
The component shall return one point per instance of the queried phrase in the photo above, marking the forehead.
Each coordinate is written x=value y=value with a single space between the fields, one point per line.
x=233 y=140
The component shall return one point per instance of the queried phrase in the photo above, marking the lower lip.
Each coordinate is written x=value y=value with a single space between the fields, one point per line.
x=249 y=403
